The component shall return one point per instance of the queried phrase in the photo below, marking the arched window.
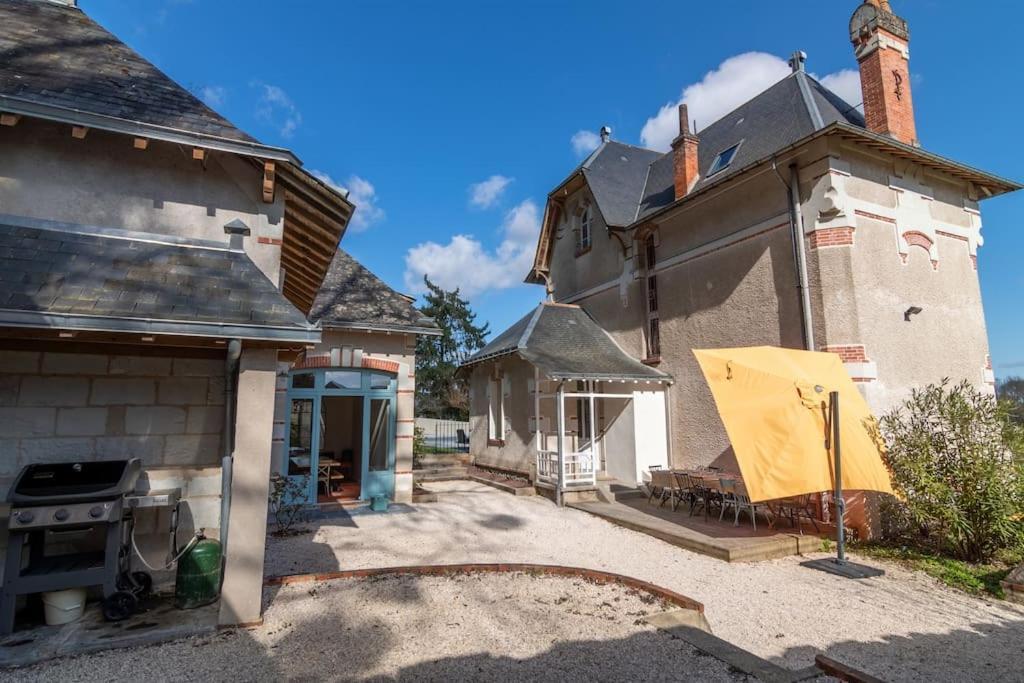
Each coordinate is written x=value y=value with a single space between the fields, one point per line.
x=583 y=230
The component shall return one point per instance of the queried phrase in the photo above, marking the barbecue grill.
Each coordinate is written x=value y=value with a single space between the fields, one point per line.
x=51 y=503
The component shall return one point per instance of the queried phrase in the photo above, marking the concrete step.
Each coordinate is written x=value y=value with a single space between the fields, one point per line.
x=507 y=487
x=612 y=490
x=428 y=460
x=440 y=473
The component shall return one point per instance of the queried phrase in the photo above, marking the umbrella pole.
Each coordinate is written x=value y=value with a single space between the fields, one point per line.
x=840 y=503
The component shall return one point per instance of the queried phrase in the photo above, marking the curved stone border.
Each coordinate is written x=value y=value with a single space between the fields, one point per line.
x=593 y=575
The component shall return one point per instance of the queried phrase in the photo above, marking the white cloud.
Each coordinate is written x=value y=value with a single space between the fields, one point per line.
x=362 y=193
x=732 y=83
x=276 y=107
x=213 y=95
x=846 y=84
x=484 y=195
x=584 y=142
x=466 y=264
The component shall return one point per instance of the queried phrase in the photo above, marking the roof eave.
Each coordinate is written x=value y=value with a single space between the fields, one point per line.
x=154 y=326
x=15 y=105
x=392 y=329
x=838 y=128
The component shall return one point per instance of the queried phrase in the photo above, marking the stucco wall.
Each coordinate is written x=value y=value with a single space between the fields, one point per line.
x=103 y=181
x=602 y=261
x=913 y=241
x=397 y=347
x=725 y=278
x=518 y=451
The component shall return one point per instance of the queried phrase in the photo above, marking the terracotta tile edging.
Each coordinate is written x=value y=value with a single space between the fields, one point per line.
x=594 y=575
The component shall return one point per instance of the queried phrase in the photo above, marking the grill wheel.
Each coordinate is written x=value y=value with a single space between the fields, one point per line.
x=119 y=605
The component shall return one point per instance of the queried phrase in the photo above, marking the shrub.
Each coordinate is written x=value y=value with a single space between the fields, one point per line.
x=960 y=483
x=287 y=504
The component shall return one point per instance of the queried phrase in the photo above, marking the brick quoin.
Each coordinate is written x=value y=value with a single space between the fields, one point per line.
x=832 y=237
x=849 y=353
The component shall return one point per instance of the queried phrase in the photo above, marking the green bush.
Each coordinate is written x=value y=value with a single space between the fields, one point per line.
x=958 y=471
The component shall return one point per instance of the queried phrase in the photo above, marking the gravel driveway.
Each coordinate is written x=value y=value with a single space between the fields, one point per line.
x=901 y=627
x=462 y=628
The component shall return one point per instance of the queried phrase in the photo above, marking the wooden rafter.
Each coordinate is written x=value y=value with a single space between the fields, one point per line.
x=140 y=143
x=268 y=181
x=7 y=119
x=199 y=154
x=79 y=132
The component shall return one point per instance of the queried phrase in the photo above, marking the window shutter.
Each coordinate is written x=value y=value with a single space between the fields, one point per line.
x=506 y=392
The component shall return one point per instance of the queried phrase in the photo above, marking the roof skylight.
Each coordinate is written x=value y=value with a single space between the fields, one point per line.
x=723 y=159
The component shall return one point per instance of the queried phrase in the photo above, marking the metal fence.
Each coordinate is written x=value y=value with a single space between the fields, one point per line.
x=445 y=436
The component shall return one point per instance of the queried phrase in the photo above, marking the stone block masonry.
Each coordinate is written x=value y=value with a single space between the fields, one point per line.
x=54 y=406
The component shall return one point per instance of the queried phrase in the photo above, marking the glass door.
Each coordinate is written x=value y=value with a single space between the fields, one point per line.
x=378 y=448
x=303 y=438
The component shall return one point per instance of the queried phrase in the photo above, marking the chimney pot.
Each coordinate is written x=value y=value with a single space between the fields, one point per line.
x=797 y=61
x=606 y=133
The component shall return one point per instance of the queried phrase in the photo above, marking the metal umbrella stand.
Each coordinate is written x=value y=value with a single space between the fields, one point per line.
x=839 y=565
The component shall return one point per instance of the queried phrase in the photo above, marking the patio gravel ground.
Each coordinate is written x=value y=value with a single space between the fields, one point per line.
x=904 y=626
x=462 y=628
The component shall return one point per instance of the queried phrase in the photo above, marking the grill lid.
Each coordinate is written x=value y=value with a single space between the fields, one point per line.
x=66 y=482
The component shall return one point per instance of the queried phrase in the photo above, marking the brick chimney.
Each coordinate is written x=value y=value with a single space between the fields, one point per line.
x=881 y=43
x=684 y=153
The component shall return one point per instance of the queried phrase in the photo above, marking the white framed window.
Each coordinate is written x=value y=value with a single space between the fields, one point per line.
x=583 y=229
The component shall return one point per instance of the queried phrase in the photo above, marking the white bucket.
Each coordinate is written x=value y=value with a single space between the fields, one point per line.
x=63 y=607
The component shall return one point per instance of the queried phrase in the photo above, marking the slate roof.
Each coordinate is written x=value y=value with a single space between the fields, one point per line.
x=55 y=55
x=565 y=343
x=352 y=296
x=67 y=277
x=629 y=183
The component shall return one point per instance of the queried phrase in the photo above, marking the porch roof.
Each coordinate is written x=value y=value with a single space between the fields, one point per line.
x=82 y=278
x=564 y=342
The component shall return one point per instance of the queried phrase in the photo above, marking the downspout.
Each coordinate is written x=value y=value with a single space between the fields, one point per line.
x=234 y=352
x=796 y=223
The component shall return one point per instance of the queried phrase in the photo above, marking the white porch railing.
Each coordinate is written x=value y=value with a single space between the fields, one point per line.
x=579 y=468
x=547 y=466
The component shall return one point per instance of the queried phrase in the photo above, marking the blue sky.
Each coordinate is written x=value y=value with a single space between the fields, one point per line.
x=450 y=122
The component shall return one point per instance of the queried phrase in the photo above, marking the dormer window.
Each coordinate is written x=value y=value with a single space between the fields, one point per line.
x=583 y=234
x=723 y=159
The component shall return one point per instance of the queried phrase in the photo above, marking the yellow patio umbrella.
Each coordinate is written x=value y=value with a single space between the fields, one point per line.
x=775 y=404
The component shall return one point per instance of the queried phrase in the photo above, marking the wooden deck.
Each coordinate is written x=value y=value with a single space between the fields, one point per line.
x=716 y=539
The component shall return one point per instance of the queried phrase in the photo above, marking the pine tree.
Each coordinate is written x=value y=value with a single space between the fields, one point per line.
x=439 y=392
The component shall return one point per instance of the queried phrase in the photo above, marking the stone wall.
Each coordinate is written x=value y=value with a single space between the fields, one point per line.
x=69 y=406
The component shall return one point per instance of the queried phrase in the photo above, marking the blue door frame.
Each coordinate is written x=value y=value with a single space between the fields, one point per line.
x=306 y=391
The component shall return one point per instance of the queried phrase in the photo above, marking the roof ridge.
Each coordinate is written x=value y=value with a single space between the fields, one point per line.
x=525 y=336
x=808 y=98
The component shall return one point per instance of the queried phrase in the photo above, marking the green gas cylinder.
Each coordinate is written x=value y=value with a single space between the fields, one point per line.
x=198 y=579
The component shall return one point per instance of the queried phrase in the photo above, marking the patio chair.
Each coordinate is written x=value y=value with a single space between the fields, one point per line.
x=741 y=503
x=728 y=495
x=796 y=508
x=700 y=494
x=663 y=486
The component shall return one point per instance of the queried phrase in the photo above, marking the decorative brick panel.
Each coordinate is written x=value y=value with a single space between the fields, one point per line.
x=832 y=237
x=850 y=353
x=380 y=364
x=313 y=362
x=918 y=239
x=269 y=240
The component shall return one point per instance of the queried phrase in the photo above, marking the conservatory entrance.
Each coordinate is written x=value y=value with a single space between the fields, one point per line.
x=341 y=434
